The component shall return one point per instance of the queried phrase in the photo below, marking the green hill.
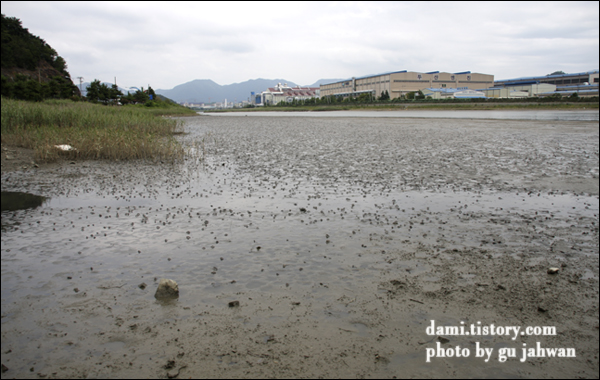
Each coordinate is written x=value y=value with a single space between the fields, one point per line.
x=31 y=69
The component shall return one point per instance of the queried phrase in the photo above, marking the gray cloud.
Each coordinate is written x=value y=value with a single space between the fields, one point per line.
x=167 y=44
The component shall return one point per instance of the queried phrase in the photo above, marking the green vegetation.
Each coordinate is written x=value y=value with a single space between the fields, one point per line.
x=22 y=49
x=25 y=88
x=100 y=93
x=95 y=131
x=31 y=69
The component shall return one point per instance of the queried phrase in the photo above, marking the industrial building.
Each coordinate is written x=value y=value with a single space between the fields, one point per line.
x=519 y=90
x=284 y=93
x=559 y=80
x=452 y=93
x=400 y=83
x=584 y=84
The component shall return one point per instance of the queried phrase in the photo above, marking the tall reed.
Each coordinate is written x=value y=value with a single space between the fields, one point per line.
x=95 y=131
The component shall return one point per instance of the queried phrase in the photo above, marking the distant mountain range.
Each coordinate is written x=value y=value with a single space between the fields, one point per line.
x=207 y=91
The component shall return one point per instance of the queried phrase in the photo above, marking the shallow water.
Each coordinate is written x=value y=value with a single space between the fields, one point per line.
x=556 y=115
x=298 y=208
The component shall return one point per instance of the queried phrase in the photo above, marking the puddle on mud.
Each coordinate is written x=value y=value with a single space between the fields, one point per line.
x=13 y=201
x=290 y=219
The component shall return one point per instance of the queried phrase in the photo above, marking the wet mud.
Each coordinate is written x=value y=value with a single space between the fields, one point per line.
x=309 y=247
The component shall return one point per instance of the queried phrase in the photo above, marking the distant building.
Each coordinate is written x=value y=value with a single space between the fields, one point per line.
x=584 y=84
x=519 y=90
x=455 y=93
x=400 y=83
x=284 y=93
x=559 y=80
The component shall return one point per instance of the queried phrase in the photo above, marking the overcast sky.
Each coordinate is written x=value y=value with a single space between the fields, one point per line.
x=170 y=43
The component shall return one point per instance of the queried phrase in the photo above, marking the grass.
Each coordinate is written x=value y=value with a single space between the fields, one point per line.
x=96 y=131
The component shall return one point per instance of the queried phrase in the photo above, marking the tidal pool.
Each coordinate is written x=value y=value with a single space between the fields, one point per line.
x=340 y=237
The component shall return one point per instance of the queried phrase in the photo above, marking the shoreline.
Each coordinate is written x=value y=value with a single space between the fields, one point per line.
x=428 y=106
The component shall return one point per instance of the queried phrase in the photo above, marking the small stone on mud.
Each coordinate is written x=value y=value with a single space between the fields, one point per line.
x=234 y=304
x=4 y=368
x=553 y=270
x=167 y=289
x=142 y=285
x=170 y=364
x=443 y=340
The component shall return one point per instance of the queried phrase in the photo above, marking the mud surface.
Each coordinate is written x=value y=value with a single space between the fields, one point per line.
x=309 y=247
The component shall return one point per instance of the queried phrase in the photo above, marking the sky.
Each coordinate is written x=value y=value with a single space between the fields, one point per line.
x=165 y=44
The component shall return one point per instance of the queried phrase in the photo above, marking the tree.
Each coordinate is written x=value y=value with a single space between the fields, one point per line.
x=99 y=92
x=151 y=93
x=385 y=95
x=115 y=94
x=556 y=73
x=140 y=96
x=93 y=91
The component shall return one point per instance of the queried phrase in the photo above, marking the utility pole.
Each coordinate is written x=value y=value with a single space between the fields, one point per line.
x=80 y=85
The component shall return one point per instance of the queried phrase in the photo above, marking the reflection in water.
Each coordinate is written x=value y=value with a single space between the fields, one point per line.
x=13 y=201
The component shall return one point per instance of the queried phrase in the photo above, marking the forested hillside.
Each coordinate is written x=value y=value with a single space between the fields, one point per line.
x=31 y=69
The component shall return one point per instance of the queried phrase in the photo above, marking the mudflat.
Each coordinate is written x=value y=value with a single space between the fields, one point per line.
x=311 y=247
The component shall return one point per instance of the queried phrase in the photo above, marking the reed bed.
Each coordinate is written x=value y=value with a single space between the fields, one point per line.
x=95 y=131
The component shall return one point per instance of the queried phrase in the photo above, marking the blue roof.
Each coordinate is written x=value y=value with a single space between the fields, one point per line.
x=463 y=72
x=523 y=83
x=433 y=72
x=572 y=91
x=469 y=96
x=586 y=86
x=549 y=76
x=446 y=90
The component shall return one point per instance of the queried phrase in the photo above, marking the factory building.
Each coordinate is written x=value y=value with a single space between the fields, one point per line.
x=559 y=80
x=284 y=93
x=519 y=90
x=452 y=93
x=584 y=84
x=400 y=83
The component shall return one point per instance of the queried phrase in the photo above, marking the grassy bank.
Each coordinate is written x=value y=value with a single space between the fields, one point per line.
x=96 y=131
x=422 y=106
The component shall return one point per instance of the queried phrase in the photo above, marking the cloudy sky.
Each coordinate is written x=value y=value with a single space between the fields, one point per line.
x=168 y=43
